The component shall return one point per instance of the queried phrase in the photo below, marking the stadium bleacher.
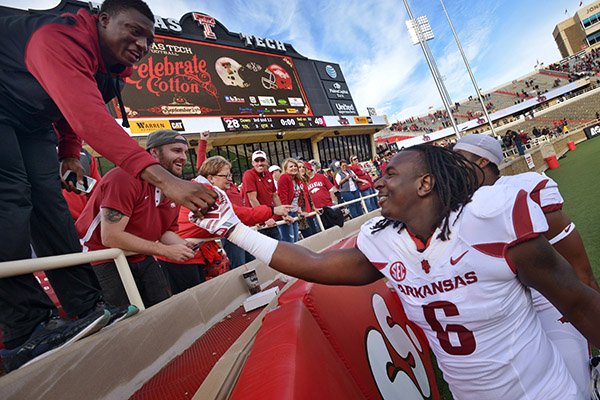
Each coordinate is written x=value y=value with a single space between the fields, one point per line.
x=585 y=64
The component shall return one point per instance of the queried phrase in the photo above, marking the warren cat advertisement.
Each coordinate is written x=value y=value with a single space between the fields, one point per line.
x=182 y=78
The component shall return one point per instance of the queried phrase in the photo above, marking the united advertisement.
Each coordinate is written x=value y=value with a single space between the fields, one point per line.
x=183 y=78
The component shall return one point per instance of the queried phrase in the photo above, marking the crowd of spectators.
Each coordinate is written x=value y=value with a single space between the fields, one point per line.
x=578 y=66
x=574 y=68
x=519 y=138
x=279 y=200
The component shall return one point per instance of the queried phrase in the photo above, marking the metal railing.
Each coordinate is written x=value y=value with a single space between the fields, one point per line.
x=20 y=267
x=361 y=199
x=531 y=144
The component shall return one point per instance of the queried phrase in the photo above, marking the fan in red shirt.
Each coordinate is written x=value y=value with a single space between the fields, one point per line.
x=321 y=189
x=290 y=188
x=365 y=183
x=131 y=214
x=258 y=188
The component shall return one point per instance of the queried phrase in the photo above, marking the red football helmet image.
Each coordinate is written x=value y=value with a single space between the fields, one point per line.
x=277 y=78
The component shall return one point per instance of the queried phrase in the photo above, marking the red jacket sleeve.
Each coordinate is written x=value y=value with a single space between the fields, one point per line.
x=201 y=153
x=252 y=216
x=65 y=68
x=285 y=189
x=306 y=193
x=94 y=173
x=69 y=144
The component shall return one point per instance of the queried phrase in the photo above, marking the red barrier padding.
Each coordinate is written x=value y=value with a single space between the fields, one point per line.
x=571 y=145
x=552 y=162
x=369 y=330
x=384 y=355
x=292 y=359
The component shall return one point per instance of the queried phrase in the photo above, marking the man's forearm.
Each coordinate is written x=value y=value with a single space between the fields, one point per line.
x=156 y=175
x=170 y=237
x=128 y=242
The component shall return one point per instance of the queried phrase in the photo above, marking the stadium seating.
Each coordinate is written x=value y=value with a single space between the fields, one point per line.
x=538 y=82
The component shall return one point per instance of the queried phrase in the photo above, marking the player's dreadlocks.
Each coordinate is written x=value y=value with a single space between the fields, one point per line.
x=455 y=182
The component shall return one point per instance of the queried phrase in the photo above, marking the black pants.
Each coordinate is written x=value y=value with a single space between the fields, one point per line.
x=34 y=212
x=148 y=276
x=273 y=232
x=183 y=276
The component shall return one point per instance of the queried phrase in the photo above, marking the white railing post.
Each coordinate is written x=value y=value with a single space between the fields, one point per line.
x=320 y=222
x=364 y=205
x=128 y=282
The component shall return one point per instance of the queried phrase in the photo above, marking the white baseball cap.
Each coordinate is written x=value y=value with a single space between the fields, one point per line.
x=481 y=145
x=274 y=168
x=259 y=154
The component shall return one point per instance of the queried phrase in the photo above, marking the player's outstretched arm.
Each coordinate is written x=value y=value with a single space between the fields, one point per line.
x=335 y=267
x=541 y=267
x=571 y=246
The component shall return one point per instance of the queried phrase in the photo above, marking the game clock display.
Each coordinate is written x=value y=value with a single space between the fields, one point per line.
x=232 y=124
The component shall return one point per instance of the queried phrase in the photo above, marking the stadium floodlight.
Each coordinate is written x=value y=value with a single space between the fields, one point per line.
x=419 y=25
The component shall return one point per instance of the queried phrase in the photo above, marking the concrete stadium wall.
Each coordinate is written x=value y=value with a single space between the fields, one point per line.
x=558 y=147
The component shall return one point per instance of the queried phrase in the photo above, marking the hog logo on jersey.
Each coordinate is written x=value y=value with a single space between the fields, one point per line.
x=398 y=271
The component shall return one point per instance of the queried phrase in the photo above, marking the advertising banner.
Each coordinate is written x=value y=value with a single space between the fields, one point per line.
x=329 y=71
x=336 y=90
x=592 y=131
x=343 y=107
x=183 y=78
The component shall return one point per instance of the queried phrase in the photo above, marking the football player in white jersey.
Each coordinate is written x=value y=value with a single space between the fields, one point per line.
x=461 y=262
x=486 y=152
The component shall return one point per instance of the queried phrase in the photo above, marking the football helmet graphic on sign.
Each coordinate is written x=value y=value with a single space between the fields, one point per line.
x=277 y=78
x=229 y=71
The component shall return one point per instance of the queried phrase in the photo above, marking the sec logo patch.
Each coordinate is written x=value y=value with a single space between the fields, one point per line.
x=398 y=271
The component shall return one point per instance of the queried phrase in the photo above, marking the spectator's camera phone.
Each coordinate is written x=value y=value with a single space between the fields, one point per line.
x=88 y=181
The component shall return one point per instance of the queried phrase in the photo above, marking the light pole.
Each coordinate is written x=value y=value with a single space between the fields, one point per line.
x=464 y=57
x=420 y=31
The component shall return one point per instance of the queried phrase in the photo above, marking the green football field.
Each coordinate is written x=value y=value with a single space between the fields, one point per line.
x=578 y=179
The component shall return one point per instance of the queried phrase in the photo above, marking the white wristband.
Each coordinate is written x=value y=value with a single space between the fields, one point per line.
x=260 y=246
x=563 y=234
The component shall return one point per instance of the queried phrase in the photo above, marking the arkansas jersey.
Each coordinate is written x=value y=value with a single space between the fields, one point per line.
x=571 y=344
x=465 y=295
x=544 y=191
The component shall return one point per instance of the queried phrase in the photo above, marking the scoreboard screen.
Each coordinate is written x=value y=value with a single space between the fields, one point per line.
x=185 y=78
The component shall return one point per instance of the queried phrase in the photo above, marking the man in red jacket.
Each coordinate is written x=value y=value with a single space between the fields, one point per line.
x=61 y=70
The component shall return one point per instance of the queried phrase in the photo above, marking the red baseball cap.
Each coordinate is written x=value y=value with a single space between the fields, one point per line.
x=308 y=165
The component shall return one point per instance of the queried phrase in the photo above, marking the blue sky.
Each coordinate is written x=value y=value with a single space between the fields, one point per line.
x=503 y=40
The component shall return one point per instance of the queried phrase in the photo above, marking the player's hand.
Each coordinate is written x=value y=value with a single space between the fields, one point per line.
x=282 y=210
x=204 y=135
x=220 y=218
x=288 y=219
x=197 y=198
x=270 y=223
x=177 y=252
x=73 y=164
